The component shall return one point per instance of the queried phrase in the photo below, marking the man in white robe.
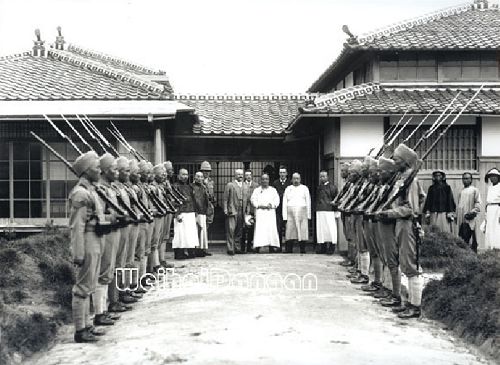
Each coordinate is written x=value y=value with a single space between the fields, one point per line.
x=492 y=232
x=265 y=200
x=185 y=229
x=296 y=213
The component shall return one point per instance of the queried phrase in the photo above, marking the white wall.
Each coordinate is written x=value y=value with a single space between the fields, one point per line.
x=490 y=136
x=359 y=134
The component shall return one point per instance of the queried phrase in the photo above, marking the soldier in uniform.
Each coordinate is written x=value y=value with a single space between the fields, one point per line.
x=168 y=181
x=349 y=260
x=406 y=210
x=85 y=214
x=146 y=230
x=107 y=284
x=157 y=244
x=123 y=280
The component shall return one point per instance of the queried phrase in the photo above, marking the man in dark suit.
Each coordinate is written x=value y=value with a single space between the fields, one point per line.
x=280 y=185
x=247 y=236
x=233 y=209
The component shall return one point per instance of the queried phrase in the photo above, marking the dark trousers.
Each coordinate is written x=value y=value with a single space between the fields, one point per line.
x=468 y=235
x=247 y=238
x=280 y=225
x=234 y=225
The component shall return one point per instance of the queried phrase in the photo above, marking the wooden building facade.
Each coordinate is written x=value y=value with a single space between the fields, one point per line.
x=415 y=67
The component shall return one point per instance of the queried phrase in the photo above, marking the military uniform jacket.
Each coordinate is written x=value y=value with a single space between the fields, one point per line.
x=85 y=212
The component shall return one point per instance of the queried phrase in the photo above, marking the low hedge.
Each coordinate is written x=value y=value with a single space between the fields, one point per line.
x=36 y=280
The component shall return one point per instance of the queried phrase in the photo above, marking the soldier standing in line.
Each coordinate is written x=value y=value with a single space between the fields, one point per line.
x=146 y=232
x=346 y=227
x=106 y=284
x=168 y=181
x=157 y=244
x=85 y=214
x=123 y=280
x=406 y=211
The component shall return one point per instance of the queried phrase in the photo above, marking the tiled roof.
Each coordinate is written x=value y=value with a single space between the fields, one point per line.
x=471 y=26
x=415 y=101
x=64 y=75
x=244 y=114
x=468 y=26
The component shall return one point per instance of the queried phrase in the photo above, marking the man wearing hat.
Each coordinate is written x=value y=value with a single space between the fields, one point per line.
x=468 y=207
x=86 y=212
x=159 y=227
x=492 y=219
x=387 y=243
x=146 y=231
x=123 y=275
x=406 y=210
x=354 y=176
x=106 y=286
x=206 y=169
x=439 y=207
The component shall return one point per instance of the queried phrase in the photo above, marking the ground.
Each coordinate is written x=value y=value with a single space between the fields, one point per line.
x=207 y=320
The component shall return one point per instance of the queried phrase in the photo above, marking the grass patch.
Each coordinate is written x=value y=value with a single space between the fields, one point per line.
x=438 y=250
x=36 y=280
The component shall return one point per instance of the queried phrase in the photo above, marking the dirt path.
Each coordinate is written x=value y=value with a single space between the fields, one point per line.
x=205 y=323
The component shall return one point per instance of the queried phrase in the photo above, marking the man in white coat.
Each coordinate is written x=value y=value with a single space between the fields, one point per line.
x=296 y=213
x=265 y=200
x=492 y=232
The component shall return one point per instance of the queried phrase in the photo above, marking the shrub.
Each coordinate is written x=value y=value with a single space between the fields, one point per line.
x=30 y=333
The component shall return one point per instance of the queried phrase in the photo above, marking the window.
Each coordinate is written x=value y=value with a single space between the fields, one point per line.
x=457 y=150
x=408 y=66
x=27 y=180
x=469 y=66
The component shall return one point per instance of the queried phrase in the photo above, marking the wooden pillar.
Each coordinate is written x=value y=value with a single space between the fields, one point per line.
x=159 y=143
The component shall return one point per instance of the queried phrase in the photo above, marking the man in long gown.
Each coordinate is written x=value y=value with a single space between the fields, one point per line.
x=439 y=207
x=297 y=213
x=492 y=234
x=469 y=206
x=265 y=200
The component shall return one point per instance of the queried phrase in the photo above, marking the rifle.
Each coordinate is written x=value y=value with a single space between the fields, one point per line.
x=90 y=133
x=101 y=194
x=77 y=134
x=64 y=136
x=101 y=136
x=409 y=180
x=136 y=153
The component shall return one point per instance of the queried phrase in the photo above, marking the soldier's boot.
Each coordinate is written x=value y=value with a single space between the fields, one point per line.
x=401 y=308
x=352 y=270
x=103 y=320
x=126 y=298
x=361 y=279
x=382 y=294
x=372 y=287
x=411 y=311
x=114 y=317
x=393 y=301
x=302 y=245
x=95 y=331
x=84 y=336
x=321 y=249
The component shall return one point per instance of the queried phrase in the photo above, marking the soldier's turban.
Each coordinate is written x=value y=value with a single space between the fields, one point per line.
x=134 y=166
x=373 y=167
x=158 y=169
x=355 y=166
x=106 y=161
x=344 y=166
x=367 y=162
x=122 y=163
x=168 y=165
x=386 y=164
x=84 y=162
x=143 y=167
x=406 y=154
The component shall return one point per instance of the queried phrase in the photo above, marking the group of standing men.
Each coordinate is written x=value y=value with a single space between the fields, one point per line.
x=258 y=215
x=121 y=213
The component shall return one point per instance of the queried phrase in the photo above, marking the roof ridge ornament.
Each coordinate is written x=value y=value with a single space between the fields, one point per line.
x=244 y=97
x=106 y=57
x=38 y=48
x=106 y=70
x=341 y=96
x=352 y=40
x=420 y=20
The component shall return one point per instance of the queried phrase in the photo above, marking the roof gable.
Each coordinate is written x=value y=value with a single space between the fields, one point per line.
x=77 y=75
